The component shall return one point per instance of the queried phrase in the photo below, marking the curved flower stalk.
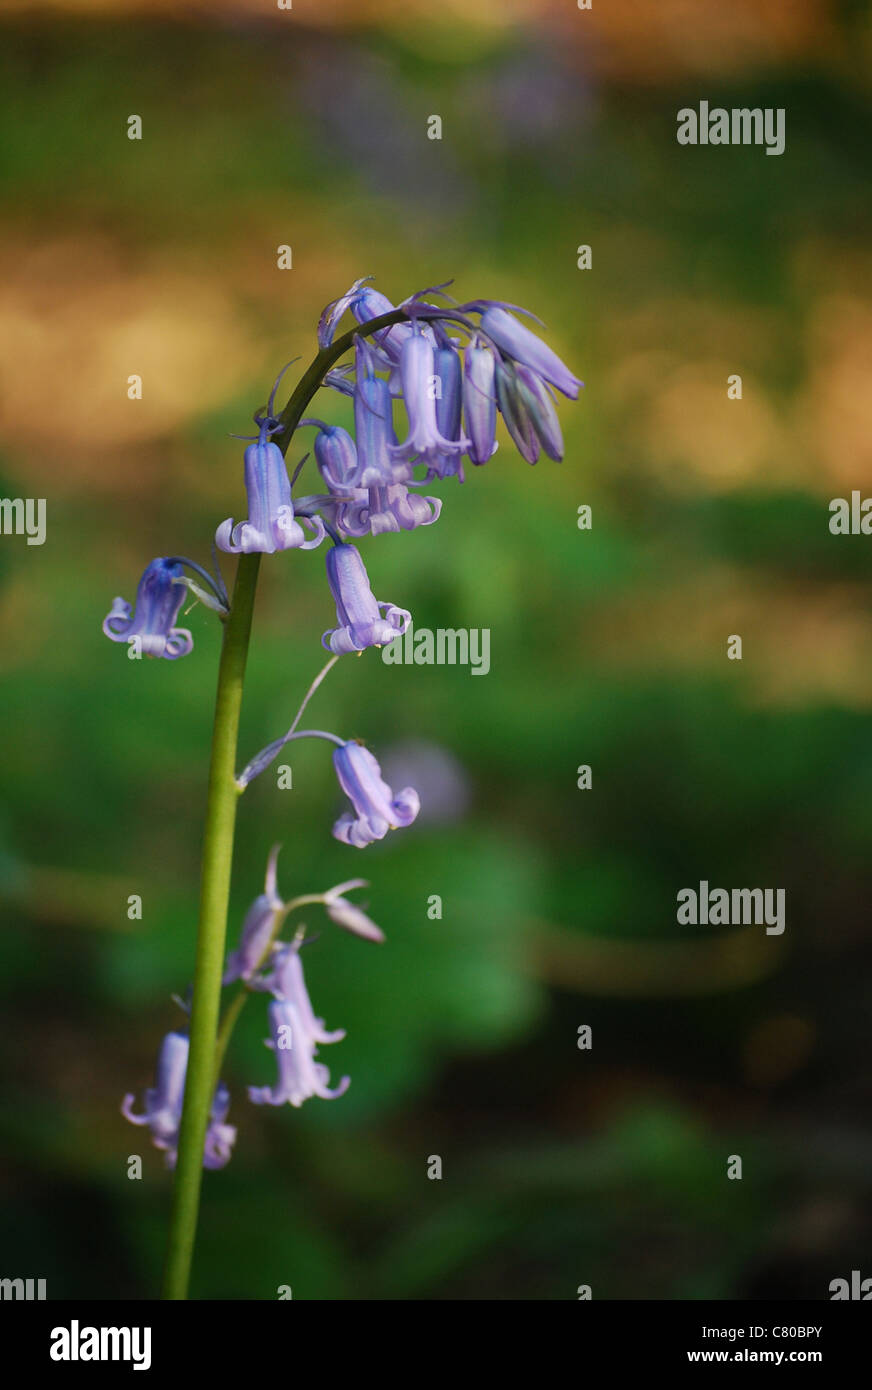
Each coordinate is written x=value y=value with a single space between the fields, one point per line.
x=267 y=914
x=359 y=774
x=163 y=1107
x=455 y=368
x=159 y=597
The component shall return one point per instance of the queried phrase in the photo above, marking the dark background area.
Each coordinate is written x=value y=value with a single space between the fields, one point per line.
x=608 y=647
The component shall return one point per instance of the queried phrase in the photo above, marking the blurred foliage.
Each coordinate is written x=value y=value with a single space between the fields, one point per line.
x=561 y=1167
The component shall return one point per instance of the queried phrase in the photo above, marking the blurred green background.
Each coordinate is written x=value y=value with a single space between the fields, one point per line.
x=561 y=1167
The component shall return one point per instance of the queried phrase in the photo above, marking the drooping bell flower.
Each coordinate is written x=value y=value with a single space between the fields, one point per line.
x=540 y=410
x=479 y=402
x=377 y=809
x=392 y=508
x=341 y=379
x=163 y=1107
x=261 y=923
x=220 y=1137
x=513 y=409
x=348 y=915
x=295 y=1034
x=335 y=455
x=516 y=340
x=374 y=426
x=365 y=304
x=159 y=596
x=371 y=304
x=448 y=373
x=418 y=375
x=271 y=523
x=377 y=510
x=363 y=511
x=358 y=612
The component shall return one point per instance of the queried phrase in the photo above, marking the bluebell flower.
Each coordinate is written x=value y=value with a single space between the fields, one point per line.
x=376 y=510
x=371 y=304
x=393 y=508
x=513 y=408
x=332 y=313
x=358 y=612
x=479 y=401
x=348 y=915
x=361 y=511
x=540 y=409
x=424 y=440
x=352 y=918
x=295 y=1034
x=448 y=371
x=357 y=511
x=365 y=304
x=374 y=426
x=159 y=597
x=163 y=1107
x=271 y=523
x=335 y=455
x=516 y=340
x=258 y=929
x=377 y=810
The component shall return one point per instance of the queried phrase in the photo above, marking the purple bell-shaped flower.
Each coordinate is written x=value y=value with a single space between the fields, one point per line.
x=358 y=612
x=377 y=809
x=295 y=1034
x=159 y=597
x=271 y=523
x=163 y=1107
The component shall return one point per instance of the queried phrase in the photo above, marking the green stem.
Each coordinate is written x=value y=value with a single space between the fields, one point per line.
x=228 y=1023
x=211 y=932
x=221 y=802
